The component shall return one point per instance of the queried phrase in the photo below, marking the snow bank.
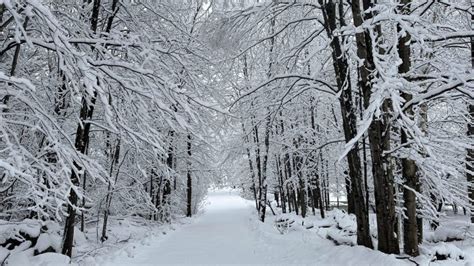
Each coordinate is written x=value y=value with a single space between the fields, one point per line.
x=46 y=259
x=338 y=226
x=33 y=242
x=13 y=234
x=126 y=237
x=307 y=243
x=445 y=251
x=454 y=231
x=21 y=241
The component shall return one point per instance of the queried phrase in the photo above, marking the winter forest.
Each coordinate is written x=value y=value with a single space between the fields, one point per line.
x=289 y=132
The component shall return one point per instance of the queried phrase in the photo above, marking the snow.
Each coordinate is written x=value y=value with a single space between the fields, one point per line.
x=46 y=241
x=30 y=227
x=451 y=232
x=27 y=227
x=220 y=235
x=4 y=253
x=47 y=259
x=227 y=232
x=124 y=234
x=51 y=259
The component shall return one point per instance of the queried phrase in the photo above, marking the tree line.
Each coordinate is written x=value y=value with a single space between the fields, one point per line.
x=364 y=99
x=104 y=111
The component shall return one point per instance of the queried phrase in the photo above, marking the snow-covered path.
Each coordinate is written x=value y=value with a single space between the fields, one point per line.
x=220 y=235
x=226 y=233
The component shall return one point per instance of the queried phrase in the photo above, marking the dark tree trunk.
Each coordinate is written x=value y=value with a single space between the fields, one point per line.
x=263 y=189
x=364 y=154
x=159 y=197
x=2 y=10
x=152 y=180
x=81 y=143
x=189 y=194
x=258 y=164
x=289 y=189
x=167 y=183
x=165 y=187
x=319 y=197
x=355 y=197
x=281 y=184
x=252 y=178
x=170 y=158
x=276 y=196
x=470 y=132
x=290 y=209
x=114 y=160
x=313 y=200
x=247 y=141
x=302 y=197
x=295 y=200
x=166 y=201
x=15 y=60
x=328 y=199
x=409 y=169
x=82 y=138
x=84 y=179
x=251 y=169
x=470 y=158
x=379 y=138
x=350 y=196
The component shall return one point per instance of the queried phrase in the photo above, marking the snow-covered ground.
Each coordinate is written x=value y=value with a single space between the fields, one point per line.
x=228 y=233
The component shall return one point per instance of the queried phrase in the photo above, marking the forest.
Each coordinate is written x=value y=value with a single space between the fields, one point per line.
x=308 y=132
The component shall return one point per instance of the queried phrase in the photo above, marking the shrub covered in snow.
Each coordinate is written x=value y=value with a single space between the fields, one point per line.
x=446 y=251
x=342 y=228
x=450 y=232
x=23 y=240
x=283 y=224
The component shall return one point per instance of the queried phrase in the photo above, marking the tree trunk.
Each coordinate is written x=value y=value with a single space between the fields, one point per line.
x=15 y=60
x=281 y=184
x=319 y=197
x=364 y=155
x=257 y=163
x=189 y=183
x=114 y=160
x=263 y=189
x=313 y=199
x=247 y=141
x=409 y=169
x=470 y=158
x=470 y=131
x=252 y=178
x=152 y=190
x=379 y=137
x=355 y=195
x=82 y=138
x=170 y=159
x=302 y=197
x=81 y=143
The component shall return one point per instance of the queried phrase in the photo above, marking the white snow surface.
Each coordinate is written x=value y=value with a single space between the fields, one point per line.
x=227 y=232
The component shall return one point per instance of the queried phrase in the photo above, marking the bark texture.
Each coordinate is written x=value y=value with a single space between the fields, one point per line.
x=379 y=137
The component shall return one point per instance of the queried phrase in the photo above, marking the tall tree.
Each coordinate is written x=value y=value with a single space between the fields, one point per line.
x=470 y=131
x=81 y=143
x=378 y=132
x=349 y=121
x=409 y=169
x=189 y=180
